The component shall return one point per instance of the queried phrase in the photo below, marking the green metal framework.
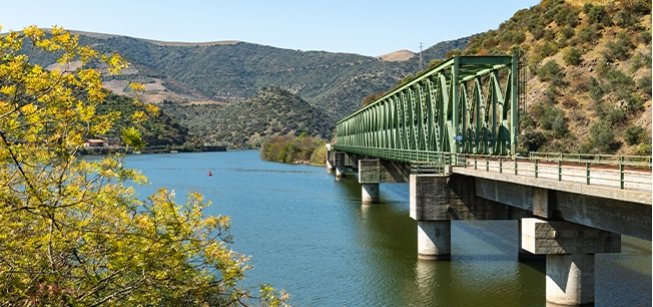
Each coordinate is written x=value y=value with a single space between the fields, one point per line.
x=467 y=104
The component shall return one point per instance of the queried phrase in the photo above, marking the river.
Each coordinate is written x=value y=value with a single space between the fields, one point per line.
x=309 y=234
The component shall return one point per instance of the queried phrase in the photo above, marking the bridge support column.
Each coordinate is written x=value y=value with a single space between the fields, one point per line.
x=569 y=250
x=369 y=178
x=429 y=206
x=434 y=240
x=329 y=159
x=339 y=163
x=370 y=193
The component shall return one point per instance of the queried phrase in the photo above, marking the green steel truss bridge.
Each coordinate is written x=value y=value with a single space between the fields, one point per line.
x=465 y=113
x=467 y=104
x=451 y=134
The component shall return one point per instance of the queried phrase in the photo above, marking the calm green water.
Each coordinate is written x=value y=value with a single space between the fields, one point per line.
x=308 y=233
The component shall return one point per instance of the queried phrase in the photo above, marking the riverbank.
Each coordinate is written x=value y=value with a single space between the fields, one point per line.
x=295 y=150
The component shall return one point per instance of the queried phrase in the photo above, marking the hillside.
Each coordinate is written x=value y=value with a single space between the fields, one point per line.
x=156 y=129
x=272 y=112
x=397 y=56
x=589 y=74
x=224 y=72
x=235 y=71
x=212 y=81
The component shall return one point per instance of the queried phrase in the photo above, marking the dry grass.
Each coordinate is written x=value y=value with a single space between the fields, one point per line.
x=397 y=56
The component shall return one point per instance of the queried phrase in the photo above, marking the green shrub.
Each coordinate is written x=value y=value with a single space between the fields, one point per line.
x=633 y=103
x=534 y=23
x=634 y=135
x=526 y=121
x=596 y=90
x=640 y=60
x=625 y=19
x=644 y=86
x=559 y=126
x=513 y=37
x=615 y=116
x=623 y=86
x=565 y=34
x=548 y=49
x=599 y=16
x=532 y=141
x=551 y=94
x=637 y=7
x=573 y=56
x=549 y=117
x=644 y=37
x=590 y=35
x=552 y=72
x=537 y=33
x=602 y=137
x=643 y=149
x=618 y=49
x=566 y=15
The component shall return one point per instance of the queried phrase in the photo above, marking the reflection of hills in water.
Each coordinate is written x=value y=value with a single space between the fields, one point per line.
x=238 y=170
x=252 y=170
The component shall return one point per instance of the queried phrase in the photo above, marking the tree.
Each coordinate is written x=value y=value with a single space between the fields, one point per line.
x=72 y=231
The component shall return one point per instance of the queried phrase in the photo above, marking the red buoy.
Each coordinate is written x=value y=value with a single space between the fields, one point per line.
x=210 y=174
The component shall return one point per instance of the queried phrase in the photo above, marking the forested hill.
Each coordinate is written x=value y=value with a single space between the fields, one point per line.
x=271 y=112
x=229 y=72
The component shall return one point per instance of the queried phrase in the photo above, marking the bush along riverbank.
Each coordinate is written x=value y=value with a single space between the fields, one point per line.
x=301 y=149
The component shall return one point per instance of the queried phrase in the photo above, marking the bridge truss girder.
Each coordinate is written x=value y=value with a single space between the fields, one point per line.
x=467 y=104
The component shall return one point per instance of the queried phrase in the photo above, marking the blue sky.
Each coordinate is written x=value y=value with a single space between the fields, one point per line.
x=364 y=27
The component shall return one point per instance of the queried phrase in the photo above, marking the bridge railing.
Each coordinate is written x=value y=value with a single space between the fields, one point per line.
x=420 y=157
x=627 y=160
x=624 y=172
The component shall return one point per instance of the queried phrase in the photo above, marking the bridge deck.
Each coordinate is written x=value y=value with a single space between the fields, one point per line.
x=614 y=182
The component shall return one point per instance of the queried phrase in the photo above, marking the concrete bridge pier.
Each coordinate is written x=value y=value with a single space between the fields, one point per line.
x=434 y=240
x=429 y=206
x=569 y=250
x=369 y=177
x=339 y=163
x=330 y=163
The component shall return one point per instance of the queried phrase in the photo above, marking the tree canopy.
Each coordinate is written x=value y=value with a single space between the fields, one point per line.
x=72 y=230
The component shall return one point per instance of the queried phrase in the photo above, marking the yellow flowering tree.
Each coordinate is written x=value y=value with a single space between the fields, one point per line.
x=72 y=231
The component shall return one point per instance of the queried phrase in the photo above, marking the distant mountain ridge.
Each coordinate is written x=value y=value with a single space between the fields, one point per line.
x=209 y=87
x=226 y=72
